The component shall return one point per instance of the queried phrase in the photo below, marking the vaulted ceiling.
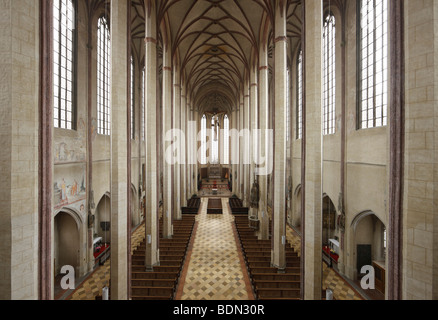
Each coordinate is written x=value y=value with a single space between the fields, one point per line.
x=216 y=42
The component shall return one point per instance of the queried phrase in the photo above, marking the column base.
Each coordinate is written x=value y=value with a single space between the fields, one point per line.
x=151 y=268
x=281 y=270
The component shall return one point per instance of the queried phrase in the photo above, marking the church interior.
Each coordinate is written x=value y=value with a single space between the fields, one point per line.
x=219 y=150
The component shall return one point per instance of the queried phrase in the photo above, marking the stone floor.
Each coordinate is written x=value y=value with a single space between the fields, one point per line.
x=342 y=290
x=214 y=268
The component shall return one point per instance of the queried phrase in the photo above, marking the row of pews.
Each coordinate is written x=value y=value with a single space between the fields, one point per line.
x=236 y=206
x=162 y=282
x=267 y=282
x=193 y=205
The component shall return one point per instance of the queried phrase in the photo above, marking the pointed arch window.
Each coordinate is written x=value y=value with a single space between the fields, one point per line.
x=214 y=140
x=329 y=74
x=64 y=30
x=373 y=63
x=103 y=77
x=204 y=140
x=300 y=95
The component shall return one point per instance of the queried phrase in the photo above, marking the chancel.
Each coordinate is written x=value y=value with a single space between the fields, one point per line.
x=219 y=150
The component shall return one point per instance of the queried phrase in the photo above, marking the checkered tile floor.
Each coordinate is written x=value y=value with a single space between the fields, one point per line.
x=215 y=271
x=341 y=289
x=100 y=278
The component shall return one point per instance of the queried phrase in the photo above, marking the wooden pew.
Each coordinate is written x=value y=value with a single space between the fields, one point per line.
x=161 y=283
x=267 y=282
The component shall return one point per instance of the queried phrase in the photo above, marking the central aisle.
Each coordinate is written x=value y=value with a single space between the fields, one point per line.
x=215 y=267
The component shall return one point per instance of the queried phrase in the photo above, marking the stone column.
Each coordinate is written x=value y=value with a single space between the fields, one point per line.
x=119 y=150
x=177 y=126
x=264 y=144
x=280 y=100
x=241 y=146
x=196 y=146
x=312 y=138
x=246 y=144
x=151 y=123
x=253 y=144
x=19 y=160
x=420 y=192
x=233 y=127
x=183 y=149
x=167 y=126
x=189 y=147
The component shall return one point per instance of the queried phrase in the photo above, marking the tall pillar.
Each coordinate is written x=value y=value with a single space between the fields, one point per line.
x=167 y=126
x=189 y=144
x=253 y=145
x=119 y=150
x=280 y=96
x=241 y=151
x=183 y=193
x=195 y=145
x=177 y=126
x=419 y=239
x=312 y=138
x=151 y=123
x=264 y=144
x=246 y=144
x=20 y=122
x=233 y=145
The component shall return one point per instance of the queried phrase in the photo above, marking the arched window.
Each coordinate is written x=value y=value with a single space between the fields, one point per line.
x=226 y=140
x=329 y=74
x=214 y=140
x=64 y=64
x=373 y=61
x=142 y=105
x=132 y=99
x=300 y=95
x=204 y=140
x=103 y=77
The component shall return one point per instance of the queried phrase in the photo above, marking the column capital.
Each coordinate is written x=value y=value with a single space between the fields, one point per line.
x=281 y=38
x=150 y=39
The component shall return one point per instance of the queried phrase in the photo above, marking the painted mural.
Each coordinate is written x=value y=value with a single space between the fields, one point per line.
x=71 y=149
x=70 y=187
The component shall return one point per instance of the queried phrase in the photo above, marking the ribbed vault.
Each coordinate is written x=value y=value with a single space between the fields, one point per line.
x=216 y=42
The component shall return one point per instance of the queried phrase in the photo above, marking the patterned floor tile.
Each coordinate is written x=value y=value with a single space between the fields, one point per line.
x=215 y=271
x=341 y=289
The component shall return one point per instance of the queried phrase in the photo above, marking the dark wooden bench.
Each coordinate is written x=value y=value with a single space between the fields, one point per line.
x=278 y=293
x=161 y=283
x=192 y=207
x=267 y=282
x=236 y=206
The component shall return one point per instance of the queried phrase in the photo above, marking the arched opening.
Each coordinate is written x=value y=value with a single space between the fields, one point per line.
x=369 y=234
x=296 y=213
x=329 y=220
x=103 y=218
x=135 y=214
x=66 y=244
